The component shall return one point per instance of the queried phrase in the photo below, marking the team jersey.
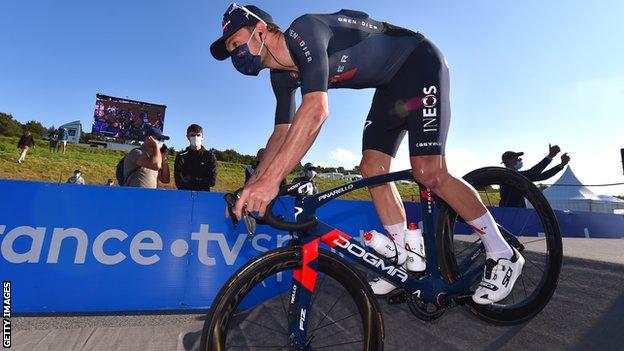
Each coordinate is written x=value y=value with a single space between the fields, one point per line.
x=346 y=49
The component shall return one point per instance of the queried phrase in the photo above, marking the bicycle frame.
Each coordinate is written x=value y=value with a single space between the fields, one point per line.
x=430 y=288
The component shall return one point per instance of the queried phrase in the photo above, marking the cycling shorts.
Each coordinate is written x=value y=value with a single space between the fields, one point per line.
x=416 y=101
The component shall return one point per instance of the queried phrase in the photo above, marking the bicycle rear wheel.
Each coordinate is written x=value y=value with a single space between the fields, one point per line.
x=251 y=310
x=535 y=233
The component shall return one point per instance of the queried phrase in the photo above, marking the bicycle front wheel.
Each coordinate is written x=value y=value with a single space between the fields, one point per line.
x=533 y=232
x=251 y=310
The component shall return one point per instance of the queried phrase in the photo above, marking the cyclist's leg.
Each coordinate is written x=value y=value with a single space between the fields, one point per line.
x=383 y=133
x=428 y=128
x=386 y=197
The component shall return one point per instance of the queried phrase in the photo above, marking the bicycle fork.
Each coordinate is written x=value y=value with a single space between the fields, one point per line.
x=304 y=280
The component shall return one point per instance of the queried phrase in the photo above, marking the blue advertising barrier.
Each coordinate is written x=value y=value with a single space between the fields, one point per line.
x=72 y=248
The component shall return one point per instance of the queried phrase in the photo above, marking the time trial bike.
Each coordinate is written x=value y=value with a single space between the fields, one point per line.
x=310 y=294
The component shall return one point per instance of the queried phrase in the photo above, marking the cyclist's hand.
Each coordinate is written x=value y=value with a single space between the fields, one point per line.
x=256 y=197
x=553 y=150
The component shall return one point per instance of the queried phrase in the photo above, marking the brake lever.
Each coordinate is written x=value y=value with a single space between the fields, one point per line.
x=248 y=218
x=250 y=223
x=230 y=200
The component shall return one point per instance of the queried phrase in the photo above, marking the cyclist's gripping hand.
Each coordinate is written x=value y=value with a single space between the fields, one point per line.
x=256 y=197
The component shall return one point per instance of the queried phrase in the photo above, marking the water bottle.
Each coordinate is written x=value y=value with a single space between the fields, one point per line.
x=415 y=248
x=385 y=247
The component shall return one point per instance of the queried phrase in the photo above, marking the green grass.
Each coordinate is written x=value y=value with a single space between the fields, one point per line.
x=98 y=165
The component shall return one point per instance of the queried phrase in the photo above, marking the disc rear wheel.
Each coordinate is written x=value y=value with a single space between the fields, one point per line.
x=533 y=231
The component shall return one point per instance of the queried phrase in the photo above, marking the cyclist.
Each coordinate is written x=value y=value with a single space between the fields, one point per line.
x=348 y=49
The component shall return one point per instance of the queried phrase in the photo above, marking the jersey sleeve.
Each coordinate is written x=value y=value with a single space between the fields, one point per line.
x=307 y=39
x=284 y=87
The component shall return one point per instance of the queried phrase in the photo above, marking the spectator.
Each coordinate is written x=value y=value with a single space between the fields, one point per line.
x=143 y=167
x=512 y=160
x=249 y=170
x=24 y=144
x=195 y=168
x=164 y=176
x=54 y=138
x=63 y=136
x=110 y=182
x=76 y=178
x=307 y=174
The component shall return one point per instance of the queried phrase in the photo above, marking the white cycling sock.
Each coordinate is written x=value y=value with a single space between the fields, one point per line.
x=397 y=232
x=495 y=246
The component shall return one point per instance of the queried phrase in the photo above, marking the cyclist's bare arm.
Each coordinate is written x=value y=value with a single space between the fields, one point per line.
x=305 y=127
x=272 y=147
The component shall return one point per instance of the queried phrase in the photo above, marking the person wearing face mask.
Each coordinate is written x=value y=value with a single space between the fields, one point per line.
x=512 y=160
x=143 y=167
x=195 y=168
x=410 y=75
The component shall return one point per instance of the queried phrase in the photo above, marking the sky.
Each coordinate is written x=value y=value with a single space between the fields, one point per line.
x=523 y=75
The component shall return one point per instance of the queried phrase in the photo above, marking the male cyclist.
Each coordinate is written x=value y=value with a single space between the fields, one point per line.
x=348 y=49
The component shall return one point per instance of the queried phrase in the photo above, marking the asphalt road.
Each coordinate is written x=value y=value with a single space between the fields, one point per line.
x=586 y=312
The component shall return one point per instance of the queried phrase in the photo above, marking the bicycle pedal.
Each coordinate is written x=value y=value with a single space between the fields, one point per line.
x=397 y=296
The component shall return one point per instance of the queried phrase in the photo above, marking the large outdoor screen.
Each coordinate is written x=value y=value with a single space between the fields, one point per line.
x=126 y=119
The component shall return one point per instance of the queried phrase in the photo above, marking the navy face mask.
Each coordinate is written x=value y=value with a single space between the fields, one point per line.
x=246 y=62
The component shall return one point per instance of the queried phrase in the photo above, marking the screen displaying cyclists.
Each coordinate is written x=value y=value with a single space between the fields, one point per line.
x=126 y=119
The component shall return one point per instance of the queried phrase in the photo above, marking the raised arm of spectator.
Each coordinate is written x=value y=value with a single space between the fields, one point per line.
x=163 y=174
x=535 y=172
x=551 y=172
x=153 y=160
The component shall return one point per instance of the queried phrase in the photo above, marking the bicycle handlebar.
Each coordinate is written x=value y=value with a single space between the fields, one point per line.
x=277 y=223
x=269 y=217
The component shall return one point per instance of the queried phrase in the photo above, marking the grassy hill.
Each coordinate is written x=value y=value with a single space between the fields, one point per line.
x=97 y=165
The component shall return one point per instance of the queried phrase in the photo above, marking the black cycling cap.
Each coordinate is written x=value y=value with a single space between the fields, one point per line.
x=235 y=18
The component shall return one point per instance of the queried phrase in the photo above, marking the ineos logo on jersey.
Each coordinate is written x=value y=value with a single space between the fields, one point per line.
x=430 y=110
x=301 y=43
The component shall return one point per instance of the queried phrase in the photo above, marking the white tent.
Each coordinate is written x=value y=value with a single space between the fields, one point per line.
x=568 y=193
